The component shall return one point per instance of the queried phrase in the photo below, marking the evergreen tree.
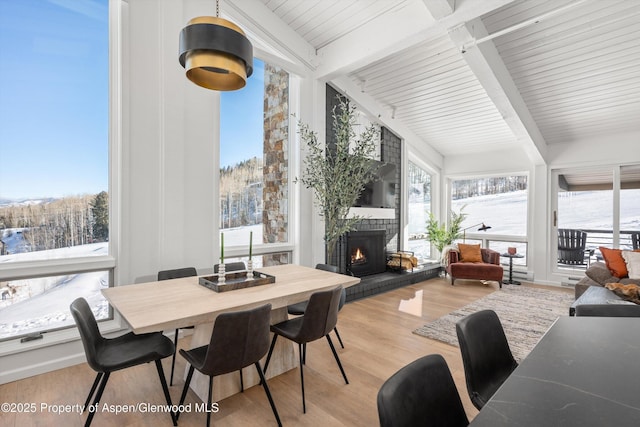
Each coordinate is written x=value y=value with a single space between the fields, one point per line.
x=100 y=212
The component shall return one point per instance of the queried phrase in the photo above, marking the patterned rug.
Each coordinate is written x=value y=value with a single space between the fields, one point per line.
x=525 y=313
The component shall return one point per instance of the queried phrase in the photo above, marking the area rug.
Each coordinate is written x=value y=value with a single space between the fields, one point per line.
x=525 y=313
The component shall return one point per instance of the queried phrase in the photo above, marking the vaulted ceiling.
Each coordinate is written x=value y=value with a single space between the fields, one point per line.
x=472 y=76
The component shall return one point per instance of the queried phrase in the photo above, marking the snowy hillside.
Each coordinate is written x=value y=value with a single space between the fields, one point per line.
x=33 y=305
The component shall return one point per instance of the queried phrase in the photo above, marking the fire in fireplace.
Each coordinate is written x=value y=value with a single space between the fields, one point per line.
x=366 y=252
x=358 y=257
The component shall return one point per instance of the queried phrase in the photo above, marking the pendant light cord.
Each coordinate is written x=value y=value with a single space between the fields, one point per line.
x=217 y=8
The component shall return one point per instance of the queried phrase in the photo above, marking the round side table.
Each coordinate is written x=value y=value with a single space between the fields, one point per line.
x=511 y=257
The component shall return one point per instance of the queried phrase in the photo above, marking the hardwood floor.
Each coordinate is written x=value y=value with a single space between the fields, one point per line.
x=378 y=341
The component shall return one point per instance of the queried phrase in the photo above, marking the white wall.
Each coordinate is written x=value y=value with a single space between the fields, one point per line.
x=170 y=153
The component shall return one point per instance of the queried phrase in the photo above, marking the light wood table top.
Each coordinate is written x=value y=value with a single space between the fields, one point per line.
x=177 y=303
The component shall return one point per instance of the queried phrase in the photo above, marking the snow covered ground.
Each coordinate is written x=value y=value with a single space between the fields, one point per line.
x=43 y=303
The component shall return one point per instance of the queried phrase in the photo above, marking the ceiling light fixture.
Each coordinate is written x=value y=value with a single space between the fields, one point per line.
x=216 y=53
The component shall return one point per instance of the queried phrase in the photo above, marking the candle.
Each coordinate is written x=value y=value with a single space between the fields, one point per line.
x=222 y=248
x=250 y=243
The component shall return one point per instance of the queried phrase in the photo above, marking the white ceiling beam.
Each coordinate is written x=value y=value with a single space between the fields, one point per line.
x=440 y=8
x=407 y=26
x=488 y=67
x=382 y=115
x=261 y=23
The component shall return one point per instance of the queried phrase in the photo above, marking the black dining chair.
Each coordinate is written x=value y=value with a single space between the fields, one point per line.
x=421 y=393
x=319 y=319
x=177 y=273
x=299 y=308
x=239 y=339
x=486 y=355
x=106 y=355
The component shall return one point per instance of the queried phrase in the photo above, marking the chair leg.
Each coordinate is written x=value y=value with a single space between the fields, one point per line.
x=300 y=351
x=273 y=344
x=304 y=353
x=167 y=396
x=93 y=389
x=241 y=382
x=338 y=335
x=173 y=358
x=103 y=383
x=184 y=390
x=335 y=354
x=263 y=380
x=209 y=398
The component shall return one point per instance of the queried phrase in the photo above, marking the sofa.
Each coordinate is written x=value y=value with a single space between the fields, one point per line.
x=593 y=299
x=599 y=275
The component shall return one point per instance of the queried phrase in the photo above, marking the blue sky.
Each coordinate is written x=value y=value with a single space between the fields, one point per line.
x=53 y=97
x=54 y=100
x=241 y=121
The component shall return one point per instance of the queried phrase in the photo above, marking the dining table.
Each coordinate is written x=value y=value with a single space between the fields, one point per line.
x=178 y=303
x=583 y=372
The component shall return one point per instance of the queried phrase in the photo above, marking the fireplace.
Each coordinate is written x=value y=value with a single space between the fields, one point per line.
x=366 y=252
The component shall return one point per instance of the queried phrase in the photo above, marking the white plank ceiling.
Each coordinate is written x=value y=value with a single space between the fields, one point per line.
x=575 y=65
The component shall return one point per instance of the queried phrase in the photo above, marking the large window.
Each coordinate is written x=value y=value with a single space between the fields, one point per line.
x=254 y=165
x=601 y=202
x=54 y=173
x=419 y=202
x=499 y=202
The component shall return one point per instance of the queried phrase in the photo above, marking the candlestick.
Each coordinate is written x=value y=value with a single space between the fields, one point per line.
x=221 y=274
x=221 y=248
x=250 y=244
x=249 y=270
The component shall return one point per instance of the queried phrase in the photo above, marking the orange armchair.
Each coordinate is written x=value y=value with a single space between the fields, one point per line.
x=488 y=269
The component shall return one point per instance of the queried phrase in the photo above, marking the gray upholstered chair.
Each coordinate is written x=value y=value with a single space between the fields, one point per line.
x=239 y=339
x=106 y=355
x=299 y=308
x=421 y=393
x=486 y=355
x=319 y=319
x=176 y=274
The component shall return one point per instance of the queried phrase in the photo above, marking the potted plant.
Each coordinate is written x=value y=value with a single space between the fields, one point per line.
x=338 y=173
x=442 y=236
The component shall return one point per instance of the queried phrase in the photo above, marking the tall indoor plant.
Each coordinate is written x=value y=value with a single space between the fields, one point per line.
x=338 y=172
x=442 y=236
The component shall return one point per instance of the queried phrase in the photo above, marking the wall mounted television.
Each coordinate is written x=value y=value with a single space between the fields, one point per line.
x=381 y=191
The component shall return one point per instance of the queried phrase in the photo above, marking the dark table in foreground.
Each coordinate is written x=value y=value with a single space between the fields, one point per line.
x=583 y=372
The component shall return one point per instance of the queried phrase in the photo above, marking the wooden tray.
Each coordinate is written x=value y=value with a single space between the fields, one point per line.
x=236 y=280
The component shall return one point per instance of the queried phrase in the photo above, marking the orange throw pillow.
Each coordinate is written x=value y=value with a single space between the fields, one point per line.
x=615 y=263
x=471 y=253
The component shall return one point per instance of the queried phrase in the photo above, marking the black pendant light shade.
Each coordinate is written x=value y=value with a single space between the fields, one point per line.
x=215 y=53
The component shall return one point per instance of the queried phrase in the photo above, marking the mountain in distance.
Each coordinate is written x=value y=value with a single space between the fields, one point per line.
x=24 y=202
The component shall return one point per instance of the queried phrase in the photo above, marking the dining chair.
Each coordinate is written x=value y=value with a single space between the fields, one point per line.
x=299 y=308
x=421 y=393
x=239 y=339
x=106 y=355
x=229 y=267
x=319 y=319
x=176 y=274
x=486 y=355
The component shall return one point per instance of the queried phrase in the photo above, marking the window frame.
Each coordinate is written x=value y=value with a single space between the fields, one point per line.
x=241 y=251
x=616 y=172
x=486 y=237
x=42 y=268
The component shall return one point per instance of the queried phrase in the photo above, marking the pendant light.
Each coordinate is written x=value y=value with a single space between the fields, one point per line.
x=215 y=53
